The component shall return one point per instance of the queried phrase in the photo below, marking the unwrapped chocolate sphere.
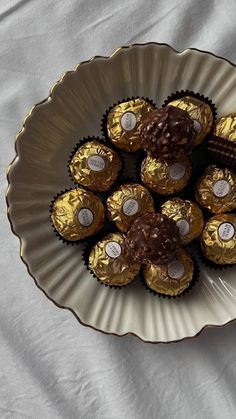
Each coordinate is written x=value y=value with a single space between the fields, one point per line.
x=187 y=216
x=222 y=144
x=77 y=214
x=153 y=238
x=127 y=203
x=163 y=177
x=173 y=278
x=200 y=112
x=111 y=263
x=124 y=121
x=168 y=133
x=216 y=190
x=218 y=239
x=95 y=166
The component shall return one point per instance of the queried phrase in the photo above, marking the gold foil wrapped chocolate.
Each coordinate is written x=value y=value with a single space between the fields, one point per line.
x=124 y=122
x=225 y=127
x=165 y=178
x=218 y=239
x=200 y=112
x=127 y=203
x=77 y=214
x=111 y=263
x=216 y=190
x=188 y=218
x=95 y=166
x=171 y=279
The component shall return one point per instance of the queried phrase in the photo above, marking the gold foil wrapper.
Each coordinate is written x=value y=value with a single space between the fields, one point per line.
x=200 y=112
x=188 y=218
x=216 y=190
x=171 y=279
x=225 y=127
x=124 y=123
x=95 y=166
x=111 y=263
x=165 y=178
x=77 y=214
x=128 y=202
x=218 y=239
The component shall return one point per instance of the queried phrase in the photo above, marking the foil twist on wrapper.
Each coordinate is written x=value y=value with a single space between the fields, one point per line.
x=95 y=166
x=173 y=278
x=222 y=144
x=187 y=216
x=218 y=239
x=111 y=263
x=153 y=238
x=216 y=190
x=124 y=122
x=163 y=177
x=201 y=114
x=127 y=203
x=77 y=214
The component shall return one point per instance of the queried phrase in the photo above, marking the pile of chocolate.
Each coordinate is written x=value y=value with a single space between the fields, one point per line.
x=156 y=241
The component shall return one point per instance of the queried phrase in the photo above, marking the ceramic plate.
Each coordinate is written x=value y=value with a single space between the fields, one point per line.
x=74 y=109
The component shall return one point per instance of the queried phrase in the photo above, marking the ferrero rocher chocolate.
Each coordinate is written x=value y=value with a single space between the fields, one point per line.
x=123 y=124
x=77 y=214
x=173 y=278
x=225 y=127
x=95 y=166
x=218 y=239
x=200 y=112
x=216 y=190
x=163 y=177
x=222 y=144
x=153 y=238
x=111 y=263
x=168 y=133
x=187 y=216
x=127 y=203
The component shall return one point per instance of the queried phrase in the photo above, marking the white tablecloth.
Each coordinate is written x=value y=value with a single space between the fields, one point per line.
x=51 y=366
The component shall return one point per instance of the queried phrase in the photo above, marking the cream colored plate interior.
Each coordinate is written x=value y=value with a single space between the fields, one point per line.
x=74 y=109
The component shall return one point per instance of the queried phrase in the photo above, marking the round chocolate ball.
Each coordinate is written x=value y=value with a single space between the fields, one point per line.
x=110 y=261
x=173 y=278
x=153 y=238
x=77 y=214
x=218 y=239
x=168 y=133
x=200 y=112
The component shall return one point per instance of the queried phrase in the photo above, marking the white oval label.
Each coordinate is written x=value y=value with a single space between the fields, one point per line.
x=85 y=217
x=96 y=163
x=177 y=171
x=130 y=207
x=113 y=249
x=128 y=121
x=226 y=231
x=183 y=227
x=175 y=269
x=221 y=188
x=197 y=126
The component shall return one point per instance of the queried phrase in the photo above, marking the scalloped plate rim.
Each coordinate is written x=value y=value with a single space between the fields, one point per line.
x=10 y=166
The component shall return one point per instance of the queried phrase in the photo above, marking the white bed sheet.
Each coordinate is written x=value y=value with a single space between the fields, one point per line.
x=51 y=366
